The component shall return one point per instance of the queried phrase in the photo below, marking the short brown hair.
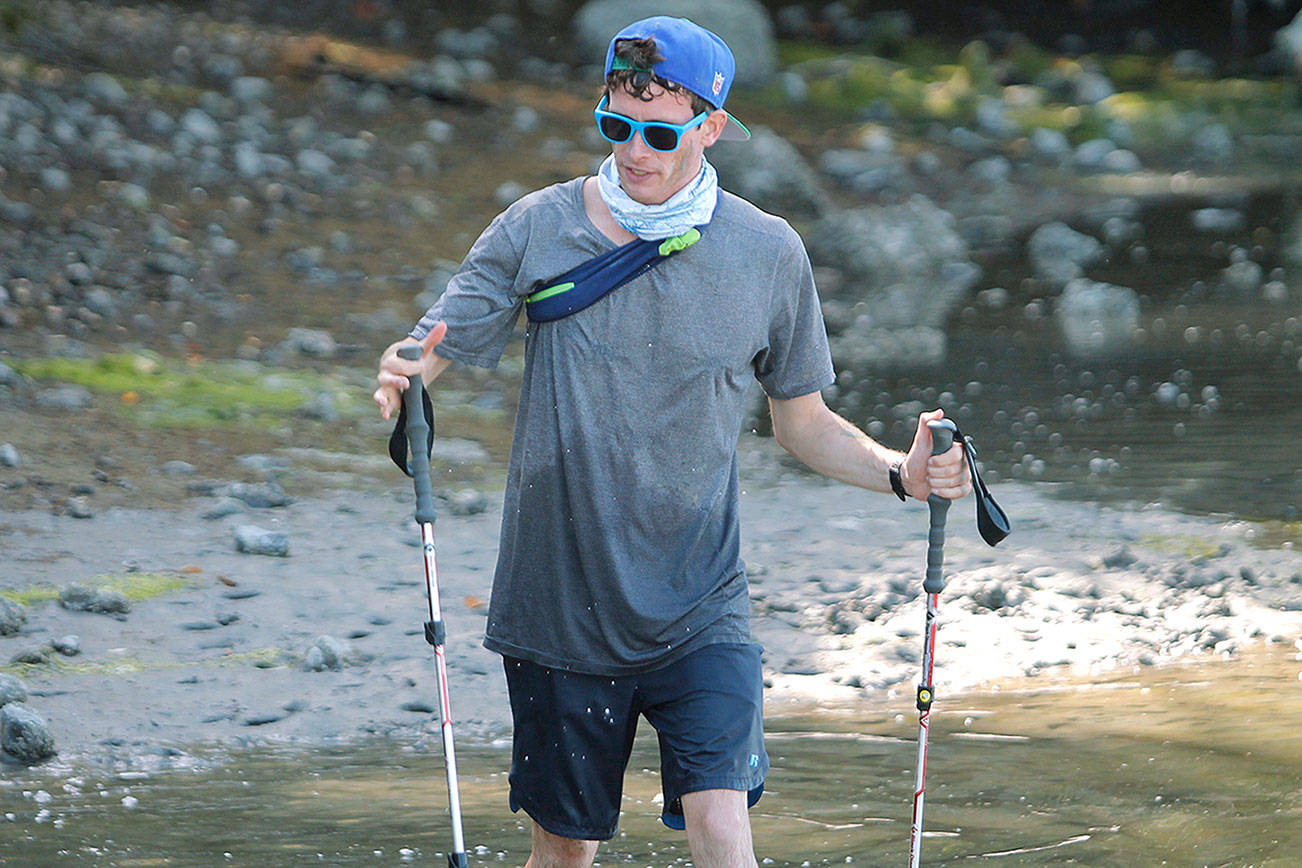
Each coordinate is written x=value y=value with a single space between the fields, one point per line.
x=642 y=55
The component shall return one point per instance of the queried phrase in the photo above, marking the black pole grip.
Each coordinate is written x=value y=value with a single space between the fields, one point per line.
x=417 y=440
x=942 y=438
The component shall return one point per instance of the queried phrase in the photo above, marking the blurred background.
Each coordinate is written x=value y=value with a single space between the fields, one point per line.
x=1074 y=226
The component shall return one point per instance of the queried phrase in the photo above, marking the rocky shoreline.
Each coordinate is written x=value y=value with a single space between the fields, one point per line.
x=181 y=641
x=250 y=208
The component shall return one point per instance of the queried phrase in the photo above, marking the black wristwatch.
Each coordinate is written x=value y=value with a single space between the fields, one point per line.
x=897 y=484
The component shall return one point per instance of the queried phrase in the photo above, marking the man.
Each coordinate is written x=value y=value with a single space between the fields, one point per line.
x=619 y=589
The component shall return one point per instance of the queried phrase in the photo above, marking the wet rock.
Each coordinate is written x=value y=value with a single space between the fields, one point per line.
x=770 y=172
x=1288 y=41
x=8 y=376
x=1060 y=253
x=224 y=507
x=863 y=171
x=31 y=656
x=737 y=22
x=314 y=163
x=467 y=501
x=103 y=601
x=1243 y=278
x=9 y=456
x=327 y=652
x=68 y=646
x=247 y=89
x=321 y=406
x=259 y=495
x=311 y=342
x=253 y=540
x=1213 y=144
x=1097 y=318
x=13 y=616
x=1119 y=558
x=24 y=734
x=64 y=398
x=12 y=689
x=200 y=125
x=79 y=507
x=997 y=595
x=906 y=264
x=1091 y=156
x=419 y=706
x=102 y=87
x=1218 y=220
x=1050 y=146
x=264 y=718
x=178 y=468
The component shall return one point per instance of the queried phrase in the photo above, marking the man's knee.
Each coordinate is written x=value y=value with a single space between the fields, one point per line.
x=718 y=827
x=554 y=851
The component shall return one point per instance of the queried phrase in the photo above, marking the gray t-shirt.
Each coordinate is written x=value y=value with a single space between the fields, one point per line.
x=620 y=540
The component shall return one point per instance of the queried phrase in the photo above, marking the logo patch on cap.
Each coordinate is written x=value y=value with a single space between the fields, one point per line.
x=718 y=83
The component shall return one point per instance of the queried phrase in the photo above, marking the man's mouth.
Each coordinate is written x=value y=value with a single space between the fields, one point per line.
x=635 y=174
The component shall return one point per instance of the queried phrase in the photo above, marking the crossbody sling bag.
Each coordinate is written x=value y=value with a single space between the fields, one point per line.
x=591 y=281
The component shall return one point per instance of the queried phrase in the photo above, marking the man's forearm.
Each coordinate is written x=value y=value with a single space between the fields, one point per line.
x=832 y=446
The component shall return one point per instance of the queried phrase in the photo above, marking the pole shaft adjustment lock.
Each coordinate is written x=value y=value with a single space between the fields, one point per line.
x=435 y=633
x=925 y=697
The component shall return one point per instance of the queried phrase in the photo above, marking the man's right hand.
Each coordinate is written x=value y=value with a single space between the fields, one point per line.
x=395 y=372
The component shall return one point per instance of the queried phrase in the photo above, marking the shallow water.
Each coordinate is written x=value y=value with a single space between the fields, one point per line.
x=1215 y=439
x=1198 y=764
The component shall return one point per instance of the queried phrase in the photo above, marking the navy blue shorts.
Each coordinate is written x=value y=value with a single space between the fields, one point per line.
x=574 y=732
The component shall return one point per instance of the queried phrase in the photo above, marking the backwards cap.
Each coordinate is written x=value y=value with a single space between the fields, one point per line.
x=693 y=57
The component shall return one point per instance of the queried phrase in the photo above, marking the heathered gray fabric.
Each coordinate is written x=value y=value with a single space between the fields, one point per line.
x=619 y=548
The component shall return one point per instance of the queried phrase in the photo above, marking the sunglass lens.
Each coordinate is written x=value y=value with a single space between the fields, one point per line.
x=660 y=138
x=615 y=129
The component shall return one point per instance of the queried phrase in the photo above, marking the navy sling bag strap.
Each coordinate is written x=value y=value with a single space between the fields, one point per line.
x=593 y=280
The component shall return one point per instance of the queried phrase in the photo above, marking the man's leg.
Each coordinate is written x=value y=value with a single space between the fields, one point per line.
x=553 y=851
x=718 y=829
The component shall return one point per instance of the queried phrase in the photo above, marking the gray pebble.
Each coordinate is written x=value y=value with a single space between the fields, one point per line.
x=79 y=507
x=224 y=507
x=264 y=718
x=12 y=689
x=104 y=601
x=68 y=646
x=64 y=398
x=24 y=734
x=419 y=706
x=178 y=468
x=32 y=656
x=327 y=652
x=259 y=495
x=253 y=540
x=467 y=501
x=12 y=616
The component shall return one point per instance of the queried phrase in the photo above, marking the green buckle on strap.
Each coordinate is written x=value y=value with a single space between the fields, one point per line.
x=680 y=242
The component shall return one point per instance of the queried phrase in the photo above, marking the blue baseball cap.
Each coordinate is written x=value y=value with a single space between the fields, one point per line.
x=693 y=57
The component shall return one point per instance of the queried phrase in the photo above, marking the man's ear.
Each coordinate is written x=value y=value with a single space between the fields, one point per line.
x=712 y=127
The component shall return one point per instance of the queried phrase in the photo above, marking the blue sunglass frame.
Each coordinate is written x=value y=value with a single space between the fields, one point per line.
x=635 y=127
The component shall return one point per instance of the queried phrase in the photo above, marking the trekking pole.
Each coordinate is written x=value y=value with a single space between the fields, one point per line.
x=942 y=437
x=418 y=433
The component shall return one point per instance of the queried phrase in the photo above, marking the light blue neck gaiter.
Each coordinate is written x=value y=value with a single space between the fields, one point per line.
x=691 y=206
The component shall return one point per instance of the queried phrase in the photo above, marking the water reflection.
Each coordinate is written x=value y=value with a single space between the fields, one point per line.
x=1188 y=765
x=1197 y=415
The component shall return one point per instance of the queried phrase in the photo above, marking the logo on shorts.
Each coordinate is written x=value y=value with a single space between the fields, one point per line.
x=754 y=760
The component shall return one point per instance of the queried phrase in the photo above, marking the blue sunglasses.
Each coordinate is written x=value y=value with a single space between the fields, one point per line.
x=658 y=135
